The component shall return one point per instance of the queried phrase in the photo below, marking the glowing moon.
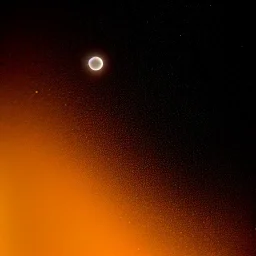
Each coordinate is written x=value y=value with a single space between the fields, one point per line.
x=95 y=63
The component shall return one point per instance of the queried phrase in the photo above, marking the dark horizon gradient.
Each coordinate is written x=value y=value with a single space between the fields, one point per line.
x=150 y=157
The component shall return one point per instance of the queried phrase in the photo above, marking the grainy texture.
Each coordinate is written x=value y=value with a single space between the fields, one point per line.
x=150 y=156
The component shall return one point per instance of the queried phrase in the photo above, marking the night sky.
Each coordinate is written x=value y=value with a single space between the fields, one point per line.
x=161 y=140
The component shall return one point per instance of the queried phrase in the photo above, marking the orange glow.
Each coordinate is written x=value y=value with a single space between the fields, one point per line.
x=56 y=200
x=52 y=210
x=53 y=203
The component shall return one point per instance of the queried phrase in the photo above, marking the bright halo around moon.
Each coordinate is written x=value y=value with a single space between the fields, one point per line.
x=95 y=63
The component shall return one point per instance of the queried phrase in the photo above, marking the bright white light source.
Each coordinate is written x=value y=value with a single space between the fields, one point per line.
x=95 y=63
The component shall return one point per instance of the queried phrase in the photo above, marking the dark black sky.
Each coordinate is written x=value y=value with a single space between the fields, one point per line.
x=181 y=74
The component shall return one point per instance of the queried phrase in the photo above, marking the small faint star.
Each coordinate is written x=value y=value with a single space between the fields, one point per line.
x=36 y=91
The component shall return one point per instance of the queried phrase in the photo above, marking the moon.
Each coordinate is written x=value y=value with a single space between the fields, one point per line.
x=95 y=63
